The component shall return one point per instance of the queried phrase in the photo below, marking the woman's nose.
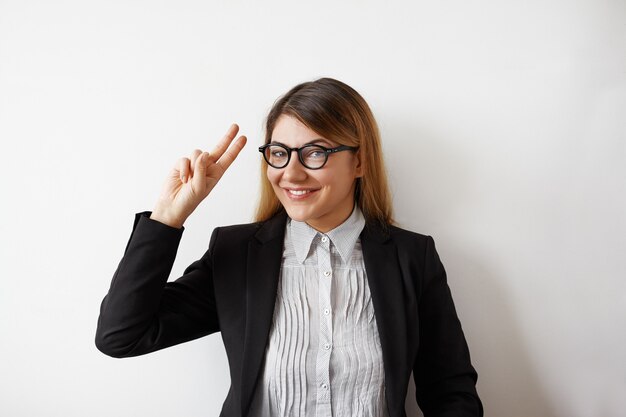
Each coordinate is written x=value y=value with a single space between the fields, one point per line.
x=294 y=170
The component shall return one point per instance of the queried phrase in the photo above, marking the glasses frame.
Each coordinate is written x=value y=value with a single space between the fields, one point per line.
x=327 y=151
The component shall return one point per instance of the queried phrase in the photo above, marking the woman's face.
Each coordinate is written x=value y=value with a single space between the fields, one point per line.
x=323 y=198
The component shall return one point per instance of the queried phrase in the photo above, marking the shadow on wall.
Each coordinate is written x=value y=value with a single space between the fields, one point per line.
x=438 y=176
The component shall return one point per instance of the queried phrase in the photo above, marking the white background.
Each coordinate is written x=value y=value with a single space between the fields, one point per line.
x=504 y=133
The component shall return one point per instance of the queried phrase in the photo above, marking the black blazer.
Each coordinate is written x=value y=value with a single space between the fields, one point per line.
x=232 y=289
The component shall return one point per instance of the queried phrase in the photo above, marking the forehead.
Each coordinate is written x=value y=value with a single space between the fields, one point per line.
x=293 y=133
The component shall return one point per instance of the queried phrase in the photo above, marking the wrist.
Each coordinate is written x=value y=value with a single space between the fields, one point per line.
x=166 y=219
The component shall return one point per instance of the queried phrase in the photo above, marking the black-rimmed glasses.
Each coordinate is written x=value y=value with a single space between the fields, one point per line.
x=311 y=156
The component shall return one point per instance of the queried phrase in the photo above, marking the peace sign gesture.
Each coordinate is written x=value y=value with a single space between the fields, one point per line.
x=191 y=180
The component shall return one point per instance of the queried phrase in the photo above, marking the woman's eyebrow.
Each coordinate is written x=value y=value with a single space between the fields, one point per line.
x=317 y=141
x=312 y=142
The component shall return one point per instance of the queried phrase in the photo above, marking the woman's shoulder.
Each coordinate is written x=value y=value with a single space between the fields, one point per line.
x=263 y=230
x=239 y=228
x=407 y=242
x=406 y=233
x=396 y=233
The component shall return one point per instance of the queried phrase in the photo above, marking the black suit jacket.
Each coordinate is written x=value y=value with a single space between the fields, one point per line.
x=232 y=289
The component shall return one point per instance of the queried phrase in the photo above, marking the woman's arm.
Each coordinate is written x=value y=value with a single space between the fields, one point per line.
x=445 y=379
x=142 y=312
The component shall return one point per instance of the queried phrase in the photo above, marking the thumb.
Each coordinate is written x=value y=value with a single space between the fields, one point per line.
x=200 y=169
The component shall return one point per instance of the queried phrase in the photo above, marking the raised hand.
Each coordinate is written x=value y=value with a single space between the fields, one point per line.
x=191 y=180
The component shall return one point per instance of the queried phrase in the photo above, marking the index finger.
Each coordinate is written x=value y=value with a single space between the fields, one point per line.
x=224 y=143
x=229 y=156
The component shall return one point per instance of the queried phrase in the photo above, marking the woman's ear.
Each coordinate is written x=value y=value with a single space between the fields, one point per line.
x=359 y=165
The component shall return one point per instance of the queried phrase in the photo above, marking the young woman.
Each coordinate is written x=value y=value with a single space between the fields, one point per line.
x=325 y=307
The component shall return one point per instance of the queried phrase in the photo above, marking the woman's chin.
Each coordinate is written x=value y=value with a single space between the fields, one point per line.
x=297 y=215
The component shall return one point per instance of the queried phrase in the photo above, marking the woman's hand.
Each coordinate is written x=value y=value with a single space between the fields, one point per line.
x=191 y=180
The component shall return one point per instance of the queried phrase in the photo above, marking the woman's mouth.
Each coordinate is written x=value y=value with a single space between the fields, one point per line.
x=300 y=194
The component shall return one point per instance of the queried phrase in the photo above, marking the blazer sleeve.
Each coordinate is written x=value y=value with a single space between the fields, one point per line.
x=445 y=379
x=142 y=312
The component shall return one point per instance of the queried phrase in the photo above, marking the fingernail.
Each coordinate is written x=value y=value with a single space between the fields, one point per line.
x=184 y=178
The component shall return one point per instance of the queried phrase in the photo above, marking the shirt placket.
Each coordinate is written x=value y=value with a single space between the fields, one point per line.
x=325 y=340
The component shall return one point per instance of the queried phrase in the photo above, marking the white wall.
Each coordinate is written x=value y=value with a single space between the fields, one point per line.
x=504 y=131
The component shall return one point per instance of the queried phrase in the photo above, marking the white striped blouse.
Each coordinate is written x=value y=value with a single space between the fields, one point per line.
x=324 y=356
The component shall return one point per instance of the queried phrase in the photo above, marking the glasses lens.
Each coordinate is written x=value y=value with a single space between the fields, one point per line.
x=276 y=156
x=313 y=156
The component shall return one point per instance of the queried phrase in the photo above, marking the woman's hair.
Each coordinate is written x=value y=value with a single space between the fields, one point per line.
x=336 y=112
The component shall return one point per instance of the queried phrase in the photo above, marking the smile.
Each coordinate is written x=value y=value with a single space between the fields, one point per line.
x=299 y=194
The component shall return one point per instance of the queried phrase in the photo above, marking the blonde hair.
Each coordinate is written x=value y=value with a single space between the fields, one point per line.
x=337 y=112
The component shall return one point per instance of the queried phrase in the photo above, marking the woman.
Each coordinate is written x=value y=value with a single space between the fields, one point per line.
x=324 y=306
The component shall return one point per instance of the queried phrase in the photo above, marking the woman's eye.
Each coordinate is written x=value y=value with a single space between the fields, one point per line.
x=279 y=153
x=315 y=154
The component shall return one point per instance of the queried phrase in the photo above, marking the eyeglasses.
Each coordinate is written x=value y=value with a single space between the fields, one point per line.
x=311 y=156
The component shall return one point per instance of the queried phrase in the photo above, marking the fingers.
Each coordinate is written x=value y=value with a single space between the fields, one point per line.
x=186 y=166
x=194 y=156
x=229 y=156
x=184 y=169
x=223 y=144
x=199 y=178
x=223 y=155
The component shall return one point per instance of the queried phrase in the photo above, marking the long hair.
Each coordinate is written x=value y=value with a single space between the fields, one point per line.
x=336 y=112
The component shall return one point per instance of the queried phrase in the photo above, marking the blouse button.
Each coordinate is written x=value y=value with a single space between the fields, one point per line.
x=324 y=239
x=326 y=273
x=326 y=311
x=326 y=346
x=324 y=386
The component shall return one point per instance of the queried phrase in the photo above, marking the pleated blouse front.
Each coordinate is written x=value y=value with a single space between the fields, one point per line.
x=324 y=356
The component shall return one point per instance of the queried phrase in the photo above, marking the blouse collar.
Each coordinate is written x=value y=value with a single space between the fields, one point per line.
x=344 y=236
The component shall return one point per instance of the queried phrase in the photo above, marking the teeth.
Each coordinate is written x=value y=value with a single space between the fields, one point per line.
x=299 y=192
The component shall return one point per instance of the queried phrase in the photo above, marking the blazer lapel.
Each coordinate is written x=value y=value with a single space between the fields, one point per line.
x=263 y=269
x=385 y=281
